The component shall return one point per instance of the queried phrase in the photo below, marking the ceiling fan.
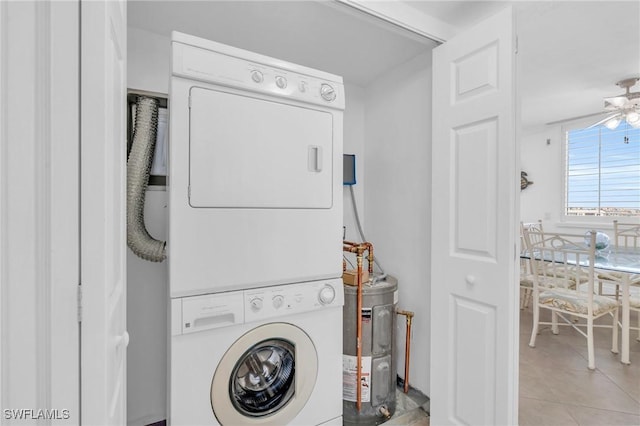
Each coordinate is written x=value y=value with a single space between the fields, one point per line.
x=623 y=107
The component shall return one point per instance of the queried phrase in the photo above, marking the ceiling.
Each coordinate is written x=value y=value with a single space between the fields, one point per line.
x=322 y=35
x=570 y=53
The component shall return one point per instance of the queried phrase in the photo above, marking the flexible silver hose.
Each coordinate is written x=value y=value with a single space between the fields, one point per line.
x=138 y=167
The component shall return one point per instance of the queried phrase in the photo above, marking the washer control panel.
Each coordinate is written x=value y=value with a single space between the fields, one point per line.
x=292 y=299
x=199 y=313
x=247 y=71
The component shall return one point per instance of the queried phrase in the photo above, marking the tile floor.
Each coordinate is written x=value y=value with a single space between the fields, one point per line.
x=411 y=409
x=557 y=388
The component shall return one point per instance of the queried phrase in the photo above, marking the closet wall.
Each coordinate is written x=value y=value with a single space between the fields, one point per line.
x=398 y=197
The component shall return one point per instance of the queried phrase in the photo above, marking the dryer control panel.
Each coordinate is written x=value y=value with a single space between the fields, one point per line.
x=199 y=313
x=217 y=63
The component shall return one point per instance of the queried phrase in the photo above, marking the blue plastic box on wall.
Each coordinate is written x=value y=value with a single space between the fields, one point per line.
x=348 y=169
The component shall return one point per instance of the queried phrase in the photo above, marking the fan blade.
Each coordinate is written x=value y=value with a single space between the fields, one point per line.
x=604 y=120
x=615 y=102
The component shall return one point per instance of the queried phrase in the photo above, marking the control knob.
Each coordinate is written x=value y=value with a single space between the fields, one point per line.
x=256 y=304
x=281 y=82
x=278 y=301
x=257 y=76
x=326 y=295
x=327 y=92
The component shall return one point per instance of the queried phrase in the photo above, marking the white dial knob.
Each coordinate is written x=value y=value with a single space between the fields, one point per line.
x=281 y=82
x=326 y=295
x=257 y=76
x=256 y=304
x=278 y=301
x=327 y=92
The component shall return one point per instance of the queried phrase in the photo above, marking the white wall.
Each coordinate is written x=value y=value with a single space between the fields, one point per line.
x=542 y=157
x=398 y=196
x=148 y=61
x=543 y=163
x=354 y=143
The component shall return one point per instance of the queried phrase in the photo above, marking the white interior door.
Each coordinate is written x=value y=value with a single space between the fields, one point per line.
x=103 y=225
x=474 y=335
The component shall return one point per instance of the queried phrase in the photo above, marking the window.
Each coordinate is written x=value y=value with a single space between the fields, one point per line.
x=603 y=171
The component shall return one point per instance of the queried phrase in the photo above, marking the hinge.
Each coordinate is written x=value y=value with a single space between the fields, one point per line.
x=516 y=52
x=79 y=302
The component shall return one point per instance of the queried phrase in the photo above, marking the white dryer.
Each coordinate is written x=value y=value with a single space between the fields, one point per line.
x=255 y=170
x=258 y=357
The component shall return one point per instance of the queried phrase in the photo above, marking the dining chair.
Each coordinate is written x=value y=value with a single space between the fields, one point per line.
x=526 y=275
x=626 y=236
x=563 y=283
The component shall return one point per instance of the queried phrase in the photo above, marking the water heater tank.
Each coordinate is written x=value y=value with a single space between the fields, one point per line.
x=378 y=382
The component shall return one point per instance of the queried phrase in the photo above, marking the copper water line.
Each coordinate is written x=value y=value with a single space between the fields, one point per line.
x=358 y=249
x=352 y=247
x=370 y=257
x=407 y=347
x=359 y=336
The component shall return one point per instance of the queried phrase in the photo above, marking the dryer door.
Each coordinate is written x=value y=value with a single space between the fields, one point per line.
x=250 y=152
x=266 y=377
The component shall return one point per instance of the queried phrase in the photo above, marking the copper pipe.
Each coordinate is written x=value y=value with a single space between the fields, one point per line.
x=359 y=249
x=407 y=347
x=370 y=257
x=359 y=337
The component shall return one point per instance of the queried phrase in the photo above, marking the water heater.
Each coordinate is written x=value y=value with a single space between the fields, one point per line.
x=378 y=382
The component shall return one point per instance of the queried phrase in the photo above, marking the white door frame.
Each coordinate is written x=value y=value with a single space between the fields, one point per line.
x=103 y=211
x=39 y=212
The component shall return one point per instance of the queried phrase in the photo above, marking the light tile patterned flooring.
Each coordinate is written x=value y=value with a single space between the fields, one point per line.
x=557 y=388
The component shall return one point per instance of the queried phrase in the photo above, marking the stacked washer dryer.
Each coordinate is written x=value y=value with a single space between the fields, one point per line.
x=255 y=232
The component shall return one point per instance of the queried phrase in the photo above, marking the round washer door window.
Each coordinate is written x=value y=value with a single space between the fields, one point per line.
x=265 y=377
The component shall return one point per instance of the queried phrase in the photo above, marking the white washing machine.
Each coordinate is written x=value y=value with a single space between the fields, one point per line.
x=255 y=170
x=270 y=356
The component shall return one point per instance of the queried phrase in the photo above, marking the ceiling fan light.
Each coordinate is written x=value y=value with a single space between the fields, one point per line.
x=612 y=123
x=633 y=117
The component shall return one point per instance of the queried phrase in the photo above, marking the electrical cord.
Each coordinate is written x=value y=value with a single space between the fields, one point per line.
x=376 y=262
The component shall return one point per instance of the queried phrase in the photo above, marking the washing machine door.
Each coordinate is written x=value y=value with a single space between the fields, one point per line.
x=266 y=377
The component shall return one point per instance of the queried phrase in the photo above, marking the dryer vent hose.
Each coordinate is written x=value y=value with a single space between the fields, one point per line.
x=138 y=168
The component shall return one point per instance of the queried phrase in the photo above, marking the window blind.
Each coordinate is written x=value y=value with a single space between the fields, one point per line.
x=603 y=172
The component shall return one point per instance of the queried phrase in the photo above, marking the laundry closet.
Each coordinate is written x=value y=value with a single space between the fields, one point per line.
x=387 y=125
